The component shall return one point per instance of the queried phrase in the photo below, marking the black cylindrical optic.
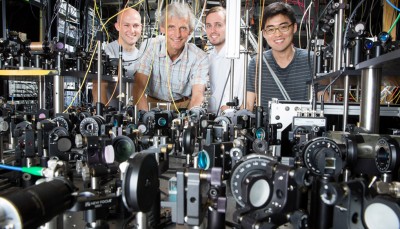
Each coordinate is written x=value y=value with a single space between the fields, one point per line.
x=216 y=216
x=320 y=212
x=36 y=205
x=259 y=116
x=357 y=51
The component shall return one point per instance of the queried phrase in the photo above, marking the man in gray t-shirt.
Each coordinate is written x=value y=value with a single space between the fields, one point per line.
x=289 y=64
x=128 y=58
x=129 y=29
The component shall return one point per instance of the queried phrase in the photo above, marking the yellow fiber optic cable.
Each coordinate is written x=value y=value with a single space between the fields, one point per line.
x=166 y=59
x=83 y=81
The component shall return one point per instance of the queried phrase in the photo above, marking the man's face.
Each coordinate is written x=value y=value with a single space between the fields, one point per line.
x=215 y=28
x=129 y=27
x=177 y=33
x=279 y=39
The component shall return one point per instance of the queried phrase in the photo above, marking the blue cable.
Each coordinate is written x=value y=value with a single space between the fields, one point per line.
x=9 y=167
x=392 y=5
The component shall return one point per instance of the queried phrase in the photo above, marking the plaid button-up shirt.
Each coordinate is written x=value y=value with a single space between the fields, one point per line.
x=189 y=69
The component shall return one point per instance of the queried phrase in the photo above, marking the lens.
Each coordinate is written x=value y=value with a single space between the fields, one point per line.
x=109 y=154
x=162 y=121
x=368 y=44
x=203 y=160
x=124 y=150
x=123 y=147
x=259 y=193
x=383 y=37
x=373 y=216
x=260 y=133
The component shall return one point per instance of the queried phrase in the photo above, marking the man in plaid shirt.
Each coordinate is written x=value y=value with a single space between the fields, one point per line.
x=172 y=70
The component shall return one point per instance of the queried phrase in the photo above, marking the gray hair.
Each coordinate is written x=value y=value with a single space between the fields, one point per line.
x=179 y=10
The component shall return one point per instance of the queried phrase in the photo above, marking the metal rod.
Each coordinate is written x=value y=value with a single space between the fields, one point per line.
x=99 y=72
x=13 y=142
x=80 y=94
x=135 y=112
x=45 y=91
x=99 y=104
x=320 y=212
x=141 y=220
x=41 y=26
x=246 y=52
x=21 y=61
x=369 y=113
x=120 y=70
x=357 y=50
x=128 y=87
x=40 y=84
x=232 y=80
x=313 y=92
x=358 y=89
x=346 y=93
x=58 y=88
x=260 y=61
x=338 y=38
x=95 y=183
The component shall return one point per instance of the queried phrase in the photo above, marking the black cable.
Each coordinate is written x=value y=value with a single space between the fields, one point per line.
x=370 y=11
x=56 y=9
x=48 y=13
x=379 y=24
x=349 y=22
x=33 y=14
x=141 y=54
x=316 y=12
x=314 y=30
x=343 y=47
x=363 y=13
x=313 y=93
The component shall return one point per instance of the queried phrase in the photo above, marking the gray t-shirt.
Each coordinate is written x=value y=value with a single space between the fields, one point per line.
x=294 y=77
x=129 y=59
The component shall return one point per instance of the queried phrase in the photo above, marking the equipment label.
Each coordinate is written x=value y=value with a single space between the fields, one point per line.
x=302 y=121
x=98 y=203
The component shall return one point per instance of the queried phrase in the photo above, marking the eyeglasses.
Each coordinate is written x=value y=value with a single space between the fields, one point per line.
x=282 y=28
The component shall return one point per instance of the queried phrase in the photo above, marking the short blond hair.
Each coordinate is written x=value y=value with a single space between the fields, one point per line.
x=216 y=9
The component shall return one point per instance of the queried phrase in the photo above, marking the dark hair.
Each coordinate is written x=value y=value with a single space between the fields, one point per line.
x=276 y=8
